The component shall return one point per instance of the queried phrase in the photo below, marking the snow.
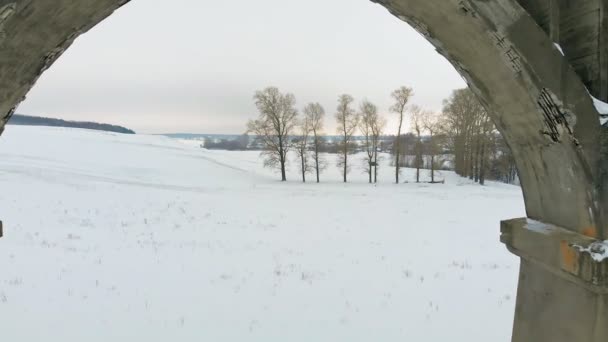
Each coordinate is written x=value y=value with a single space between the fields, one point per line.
x=602 y=109
x=114 y=237
x=598 y=250
x=539 y=227
x=559 y=48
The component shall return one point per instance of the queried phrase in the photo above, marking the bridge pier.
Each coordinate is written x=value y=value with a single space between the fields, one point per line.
x=563 y=283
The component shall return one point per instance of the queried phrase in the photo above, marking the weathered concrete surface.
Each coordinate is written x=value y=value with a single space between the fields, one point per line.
x=581 y=28
x=504 y=49
x=563 y=291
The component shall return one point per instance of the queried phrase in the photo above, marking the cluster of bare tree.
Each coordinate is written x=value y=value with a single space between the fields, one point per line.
x=372 y=125
x=280 y=129
x=424 y=123
x=479 y=150
x=279 y=122
x=462 y=133
x=463 y=136
x=369 y=123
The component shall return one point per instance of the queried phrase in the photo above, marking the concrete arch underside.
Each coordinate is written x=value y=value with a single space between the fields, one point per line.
x=536 y=98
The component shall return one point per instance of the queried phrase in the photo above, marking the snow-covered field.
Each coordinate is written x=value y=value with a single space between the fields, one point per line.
x=142 y=238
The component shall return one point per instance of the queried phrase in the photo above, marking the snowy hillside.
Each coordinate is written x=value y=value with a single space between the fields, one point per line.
x=114 y=237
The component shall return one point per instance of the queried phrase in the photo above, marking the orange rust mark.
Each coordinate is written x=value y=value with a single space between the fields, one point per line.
x=590 y=231
x=569 y=257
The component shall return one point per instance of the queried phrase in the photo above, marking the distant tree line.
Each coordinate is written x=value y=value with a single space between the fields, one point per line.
x=26 y=120
x=239 y=144
x=480 y=152
x=461 y=138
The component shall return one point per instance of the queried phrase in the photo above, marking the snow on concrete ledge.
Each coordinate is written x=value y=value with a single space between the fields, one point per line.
x=602 y=108
x=538 y=226
x=559 y=48
x=597 y=250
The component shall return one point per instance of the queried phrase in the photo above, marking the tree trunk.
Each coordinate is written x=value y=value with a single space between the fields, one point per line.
x=477 y=161
x=303 y=167
x=471 y=170
x=398 y=149
x=482 y=165
x=466 y=146
x=283 y=173
x=432 y=168
x=469 y=152
x=376 y=166
x=418 y=158
x=397 y=154
x=459 y=158
x=317 y=158
x=484 y=152
x=282 y=161
x=418 y=165
x=345 y=159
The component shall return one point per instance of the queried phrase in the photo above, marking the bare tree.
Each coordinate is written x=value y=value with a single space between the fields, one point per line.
x=301 y=144
x=367 y=114
x=377 y=130
x=315 y=114
x=503 y=166
x=347 y=124
x=477 y=146
x=471 y=132
x=276 y=121
x=371 y=126
x=487 y=134
x=461 y=115
x=430 y=122
x=417 y=127
x=402 y=97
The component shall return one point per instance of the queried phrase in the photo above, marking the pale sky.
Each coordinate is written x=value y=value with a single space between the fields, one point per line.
x=192 y=66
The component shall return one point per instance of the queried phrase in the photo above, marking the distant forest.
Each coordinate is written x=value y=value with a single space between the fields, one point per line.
x=26 y=120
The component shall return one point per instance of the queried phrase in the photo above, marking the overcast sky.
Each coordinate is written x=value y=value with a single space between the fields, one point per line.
x=193 y=65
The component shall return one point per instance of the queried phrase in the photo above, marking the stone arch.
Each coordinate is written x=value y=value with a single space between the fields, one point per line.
x=536 y=99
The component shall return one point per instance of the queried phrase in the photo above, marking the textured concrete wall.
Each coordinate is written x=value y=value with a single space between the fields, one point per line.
x=563 y=290
x=580 y=27
x=551 y=309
